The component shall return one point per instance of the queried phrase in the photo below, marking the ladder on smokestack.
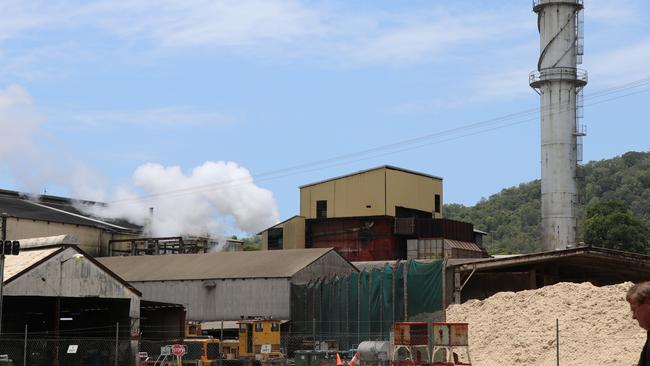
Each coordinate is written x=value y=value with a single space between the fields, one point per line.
x=580 y=129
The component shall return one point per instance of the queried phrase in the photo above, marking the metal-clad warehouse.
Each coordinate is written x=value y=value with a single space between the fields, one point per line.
x=480 y=278
x=60 y=292
x=227 y=286
x=45 y=216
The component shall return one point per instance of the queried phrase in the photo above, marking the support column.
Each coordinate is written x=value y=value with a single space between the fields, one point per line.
x=134 y=316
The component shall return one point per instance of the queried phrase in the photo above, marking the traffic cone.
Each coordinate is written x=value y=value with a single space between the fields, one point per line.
x=353 y=361
x=338 y=360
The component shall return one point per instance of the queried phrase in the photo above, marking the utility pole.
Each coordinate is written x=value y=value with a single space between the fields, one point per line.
x=2 y=265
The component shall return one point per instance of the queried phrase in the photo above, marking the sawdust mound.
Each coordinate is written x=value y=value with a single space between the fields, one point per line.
x=518 y=328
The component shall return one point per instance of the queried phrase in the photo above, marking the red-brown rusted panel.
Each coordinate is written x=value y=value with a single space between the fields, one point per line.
x=411 y=333
x=357 y=238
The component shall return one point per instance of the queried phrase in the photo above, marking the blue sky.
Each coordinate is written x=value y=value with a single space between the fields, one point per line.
x=92 y=91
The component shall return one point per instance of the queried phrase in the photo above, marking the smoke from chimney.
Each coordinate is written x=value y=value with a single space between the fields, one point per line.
x=216 y=198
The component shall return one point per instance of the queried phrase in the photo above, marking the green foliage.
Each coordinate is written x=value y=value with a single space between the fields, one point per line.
x=610 y=224
x=252 y=243
x=512 y=217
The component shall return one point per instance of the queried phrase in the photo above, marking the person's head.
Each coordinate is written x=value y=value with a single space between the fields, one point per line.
x=639 y=298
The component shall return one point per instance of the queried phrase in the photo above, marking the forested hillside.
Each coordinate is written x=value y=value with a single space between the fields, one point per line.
x=512 y=217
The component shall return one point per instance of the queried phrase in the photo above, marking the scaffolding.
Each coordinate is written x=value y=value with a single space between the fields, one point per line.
x=158 y=246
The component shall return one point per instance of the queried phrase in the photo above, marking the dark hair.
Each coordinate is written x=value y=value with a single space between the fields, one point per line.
x=639 y=293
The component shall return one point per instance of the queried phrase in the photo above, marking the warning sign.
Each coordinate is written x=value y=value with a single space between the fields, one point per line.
x=178 y=350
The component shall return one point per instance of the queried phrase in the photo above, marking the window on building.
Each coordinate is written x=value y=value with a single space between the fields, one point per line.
x=259 y=327
x=321 y=209
x=275 y=327
x=275 y=238
x=437 y=203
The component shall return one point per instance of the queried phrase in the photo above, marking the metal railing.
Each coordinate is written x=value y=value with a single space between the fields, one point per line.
x=538 y=2
x=558 y=73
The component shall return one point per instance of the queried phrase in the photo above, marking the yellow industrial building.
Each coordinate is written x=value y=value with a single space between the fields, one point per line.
x=380 y=191
x=385 y=190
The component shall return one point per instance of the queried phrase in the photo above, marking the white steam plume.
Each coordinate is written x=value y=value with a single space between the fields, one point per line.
x=213 y=199
x=33 y=159
x=204 y=206
x=19 y=121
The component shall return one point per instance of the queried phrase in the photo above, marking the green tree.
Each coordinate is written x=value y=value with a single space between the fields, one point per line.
x=610 y=224
x=252 y=243
x=512 y=217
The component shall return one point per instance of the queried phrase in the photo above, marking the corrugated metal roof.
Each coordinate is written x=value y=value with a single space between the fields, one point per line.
x=56 y=209
x=451 y=262
x=223 y=265
x=370 y=265
x=390 y=167
x=48 y=241
x=279 y=224
x=15 y=264
x=457 y=244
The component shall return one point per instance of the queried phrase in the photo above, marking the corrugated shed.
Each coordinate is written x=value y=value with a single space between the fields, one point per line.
x=15 y=264
x=457 y=244
x=224 y=265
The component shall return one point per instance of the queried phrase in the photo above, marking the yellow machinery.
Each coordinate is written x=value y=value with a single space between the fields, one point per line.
x=204 y=348
x=259 y=339
x=193 y=329
x=230 y=349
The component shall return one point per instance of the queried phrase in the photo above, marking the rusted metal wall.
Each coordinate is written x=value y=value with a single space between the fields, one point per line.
x=357 y=238
x=420 y=227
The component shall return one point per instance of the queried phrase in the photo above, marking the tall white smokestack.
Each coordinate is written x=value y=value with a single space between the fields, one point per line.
x=559 y=83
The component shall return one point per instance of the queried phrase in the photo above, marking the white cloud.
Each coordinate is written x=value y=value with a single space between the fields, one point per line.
x=168 y=22
x=204 y=22
x=624 y=64
x=286 y=27
x=19 y=120
x=214 y=198
x=154 y=117
x=435 y=35
x=611 y=12
x=33 y=159
x=506 y=84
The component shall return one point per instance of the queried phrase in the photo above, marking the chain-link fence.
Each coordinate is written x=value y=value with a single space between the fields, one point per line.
x=343 y=341
x=67 y=352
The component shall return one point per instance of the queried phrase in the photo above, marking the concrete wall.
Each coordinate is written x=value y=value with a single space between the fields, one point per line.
x=330 y=264
x=412 y=191
x=223 y=299
x=92 y=240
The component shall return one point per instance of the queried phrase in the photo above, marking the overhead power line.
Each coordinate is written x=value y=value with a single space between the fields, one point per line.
x=508 y=120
